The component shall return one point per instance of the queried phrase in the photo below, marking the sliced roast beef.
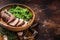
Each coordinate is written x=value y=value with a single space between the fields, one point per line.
x=25 y=23
x=4 y=16
x=13 y=23
x=11 y=16
x=20 y=22
x=11 y=20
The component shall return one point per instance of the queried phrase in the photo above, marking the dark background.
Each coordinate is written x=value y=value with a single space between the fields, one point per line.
x=42 y=12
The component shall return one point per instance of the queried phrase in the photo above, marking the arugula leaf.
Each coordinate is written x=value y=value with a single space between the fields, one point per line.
x=20 y=12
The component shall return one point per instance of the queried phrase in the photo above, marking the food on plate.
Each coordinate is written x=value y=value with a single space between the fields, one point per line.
x=4 y=16
x=25 y=23
x=14 y=22
x=16 y=16
x=20 y=22
x=22 y=35
x=7 y=35
x=21 y=12
x=11 y=16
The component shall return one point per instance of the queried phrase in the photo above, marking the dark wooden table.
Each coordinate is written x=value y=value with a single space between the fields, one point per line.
x=39 y=7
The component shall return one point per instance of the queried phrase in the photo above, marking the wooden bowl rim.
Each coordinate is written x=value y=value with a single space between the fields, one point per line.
x=21 y=27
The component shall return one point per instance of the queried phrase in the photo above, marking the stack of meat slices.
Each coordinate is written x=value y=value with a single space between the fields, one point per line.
x=11 y=20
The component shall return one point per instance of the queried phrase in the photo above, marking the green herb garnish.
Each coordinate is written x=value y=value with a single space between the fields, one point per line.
x=20 y=12
x=11 y=35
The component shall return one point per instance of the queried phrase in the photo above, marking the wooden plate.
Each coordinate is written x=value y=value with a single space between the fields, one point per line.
x=20 y=28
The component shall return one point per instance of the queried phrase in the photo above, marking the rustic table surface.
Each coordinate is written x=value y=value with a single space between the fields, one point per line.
x=40 y=8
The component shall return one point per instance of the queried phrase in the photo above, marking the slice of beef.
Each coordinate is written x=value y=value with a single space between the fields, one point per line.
x=4 y=16
x=25 y=23
x=20 y=22
x=11 y=19
x=11 y=16
x=13 y=23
